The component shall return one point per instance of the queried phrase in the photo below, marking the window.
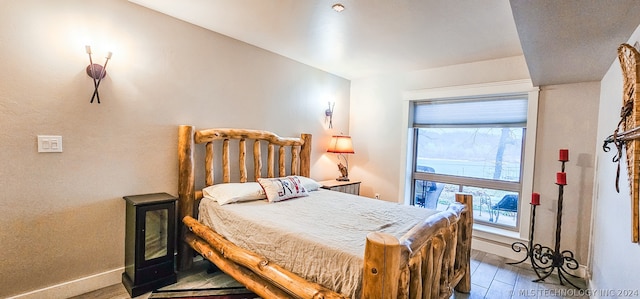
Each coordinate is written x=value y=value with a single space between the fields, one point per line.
x=473 y=145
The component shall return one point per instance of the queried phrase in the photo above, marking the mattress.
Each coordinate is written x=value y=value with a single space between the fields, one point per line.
x=320 y=237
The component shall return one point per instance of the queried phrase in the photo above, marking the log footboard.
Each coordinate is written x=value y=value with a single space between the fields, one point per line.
x=429 y=261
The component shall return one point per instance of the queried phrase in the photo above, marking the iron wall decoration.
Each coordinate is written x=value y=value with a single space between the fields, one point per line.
x=627 y=133
x=328 y=114
x=96 y=72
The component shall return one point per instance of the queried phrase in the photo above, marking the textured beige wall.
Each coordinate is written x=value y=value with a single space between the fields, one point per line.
x=63 y=214
x=568 y=118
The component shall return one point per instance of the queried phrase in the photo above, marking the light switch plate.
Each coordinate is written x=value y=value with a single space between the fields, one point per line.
x=49 y=144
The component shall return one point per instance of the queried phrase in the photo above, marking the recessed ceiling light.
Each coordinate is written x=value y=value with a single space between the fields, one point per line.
x=338 y=7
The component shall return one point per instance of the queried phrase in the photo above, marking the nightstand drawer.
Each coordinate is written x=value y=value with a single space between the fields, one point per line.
x=351 y=187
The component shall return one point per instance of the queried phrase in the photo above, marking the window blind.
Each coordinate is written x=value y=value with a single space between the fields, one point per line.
x=508 y=110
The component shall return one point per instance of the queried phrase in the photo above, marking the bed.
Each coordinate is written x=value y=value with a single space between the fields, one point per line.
x=426 y=255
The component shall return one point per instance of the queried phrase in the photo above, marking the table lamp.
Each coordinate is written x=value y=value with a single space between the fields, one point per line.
x=341 y=145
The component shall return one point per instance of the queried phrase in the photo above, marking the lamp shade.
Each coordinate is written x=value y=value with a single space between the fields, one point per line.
x=341 y=145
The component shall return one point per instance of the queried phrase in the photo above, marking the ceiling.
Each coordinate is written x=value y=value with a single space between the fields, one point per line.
x=573 y=40
x=562 y=41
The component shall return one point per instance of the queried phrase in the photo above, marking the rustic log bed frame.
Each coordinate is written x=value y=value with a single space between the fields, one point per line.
x=427 y=262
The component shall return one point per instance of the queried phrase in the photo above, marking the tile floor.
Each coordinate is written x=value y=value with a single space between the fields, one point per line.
x=493 y=278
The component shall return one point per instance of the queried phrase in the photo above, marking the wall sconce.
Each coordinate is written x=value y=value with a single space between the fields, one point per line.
x=338 y=7
x=328 y=114
x=96 y=72
x=341 y=145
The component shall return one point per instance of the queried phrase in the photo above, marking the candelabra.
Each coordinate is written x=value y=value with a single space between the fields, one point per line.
x=545 y=260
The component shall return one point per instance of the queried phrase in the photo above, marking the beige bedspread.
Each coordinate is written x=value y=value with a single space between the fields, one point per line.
x=320 y=237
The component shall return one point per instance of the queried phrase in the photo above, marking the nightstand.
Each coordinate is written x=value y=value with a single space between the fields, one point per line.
x=150 y=239
x=351 y=187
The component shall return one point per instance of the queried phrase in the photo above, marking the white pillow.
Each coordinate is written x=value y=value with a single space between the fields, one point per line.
x=279 y=189
x=309 y=184
x=234 y=192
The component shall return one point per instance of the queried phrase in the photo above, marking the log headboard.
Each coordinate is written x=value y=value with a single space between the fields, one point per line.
x=299 y=150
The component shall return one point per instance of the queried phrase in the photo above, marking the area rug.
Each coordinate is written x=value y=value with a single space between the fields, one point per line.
x=215 y=293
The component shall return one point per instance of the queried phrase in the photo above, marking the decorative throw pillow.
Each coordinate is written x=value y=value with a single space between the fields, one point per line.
x=234 y=192
x=278 y=189
x=309 y=184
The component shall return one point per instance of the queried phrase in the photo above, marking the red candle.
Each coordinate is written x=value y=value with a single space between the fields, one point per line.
x=535 y=199
x=564 y=155
x=561 y=178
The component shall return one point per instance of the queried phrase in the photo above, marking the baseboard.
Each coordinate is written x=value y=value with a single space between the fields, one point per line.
x=496 y=248
x=504 y=250
x=76 y=287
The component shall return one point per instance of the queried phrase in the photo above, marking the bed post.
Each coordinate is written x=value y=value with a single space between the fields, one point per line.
x=305 y=155
x=186 y=193
x=463 y=251
x=381 y=271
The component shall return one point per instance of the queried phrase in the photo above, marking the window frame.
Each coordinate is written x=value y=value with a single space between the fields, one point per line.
x=487 y=237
